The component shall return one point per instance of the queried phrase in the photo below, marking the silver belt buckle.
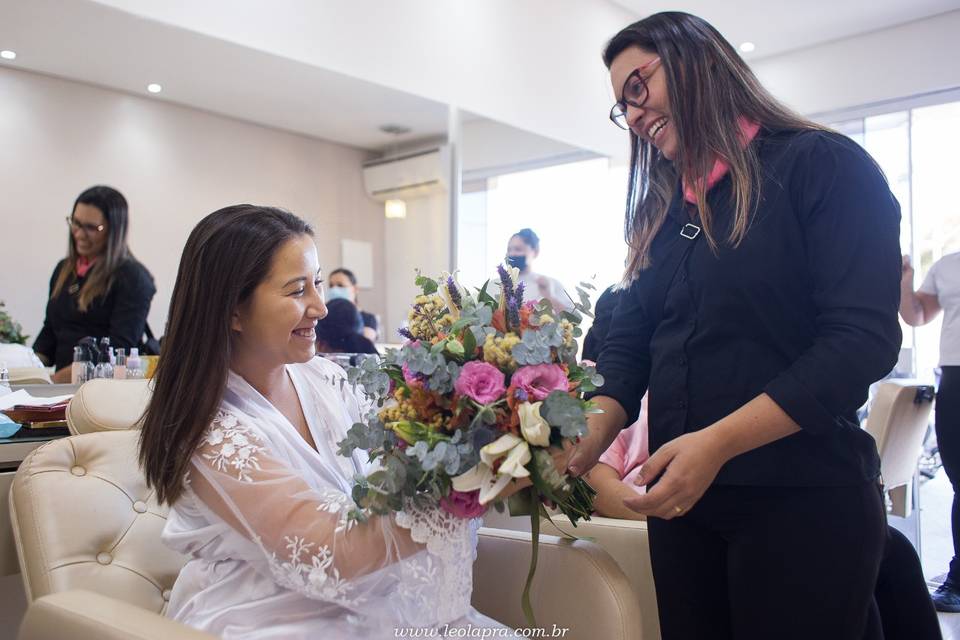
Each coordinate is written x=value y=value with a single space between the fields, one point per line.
x=690 y=231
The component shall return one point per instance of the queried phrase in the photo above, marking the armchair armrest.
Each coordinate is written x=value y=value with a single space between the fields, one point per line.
x=578 y=586
x=85 y=615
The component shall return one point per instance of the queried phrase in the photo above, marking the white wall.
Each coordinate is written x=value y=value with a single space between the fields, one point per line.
x=420 y=241
x=909 y=59
x=174 y=165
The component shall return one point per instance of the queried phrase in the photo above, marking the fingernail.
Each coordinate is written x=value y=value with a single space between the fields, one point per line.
x=639 y=480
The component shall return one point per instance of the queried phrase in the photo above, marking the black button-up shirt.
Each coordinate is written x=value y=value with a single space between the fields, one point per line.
x=804 y=310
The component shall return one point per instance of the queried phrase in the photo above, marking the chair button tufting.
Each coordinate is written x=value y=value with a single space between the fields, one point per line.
x=78 y=471
x=140 y=506
x=166 y=595
x=104 y=558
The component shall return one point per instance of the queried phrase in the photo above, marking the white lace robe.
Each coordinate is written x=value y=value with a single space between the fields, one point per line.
x=272 y=554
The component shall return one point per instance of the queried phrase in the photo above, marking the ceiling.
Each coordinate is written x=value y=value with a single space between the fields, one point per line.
x=778 y=26
x=89 y=42
x=97 y=44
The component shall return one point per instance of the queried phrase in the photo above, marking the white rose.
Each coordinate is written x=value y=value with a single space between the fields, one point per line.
x=534 y=428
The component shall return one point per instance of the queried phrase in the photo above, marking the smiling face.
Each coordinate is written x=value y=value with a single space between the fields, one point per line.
x=276 y=325
x=88 y=241
x=652 y=121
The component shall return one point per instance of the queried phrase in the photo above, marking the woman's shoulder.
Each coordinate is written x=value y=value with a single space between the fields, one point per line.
x=131 y=272
x=816 y=146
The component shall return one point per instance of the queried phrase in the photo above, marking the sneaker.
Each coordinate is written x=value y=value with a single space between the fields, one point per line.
x=947 y=598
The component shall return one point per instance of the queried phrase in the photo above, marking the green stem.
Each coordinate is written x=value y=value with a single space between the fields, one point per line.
x=535 y=539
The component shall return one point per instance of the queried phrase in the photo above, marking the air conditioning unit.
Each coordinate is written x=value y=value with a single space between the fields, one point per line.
x=410 y=175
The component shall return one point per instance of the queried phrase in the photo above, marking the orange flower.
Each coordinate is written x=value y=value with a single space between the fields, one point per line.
x=499 y=321
x=525 y=312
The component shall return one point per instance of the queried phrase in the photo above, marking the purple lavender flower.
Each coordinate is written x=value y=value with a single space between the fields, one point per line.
x=405 y=333
x=513 y=313
x=505 y=282
x=454 y=293
x=519 y=294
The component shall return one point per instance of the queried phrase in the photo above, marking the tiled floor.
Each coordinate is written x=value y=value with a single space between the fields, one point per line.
x=936 y=547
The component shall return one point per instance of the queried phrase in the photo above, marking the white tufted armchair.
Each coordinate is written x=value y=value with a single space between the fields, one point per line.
x=87 y=532
x=84 y=519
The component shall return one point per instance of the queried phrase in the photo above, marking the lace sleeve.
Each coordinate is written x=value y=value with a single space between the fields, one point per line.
x=305 y=539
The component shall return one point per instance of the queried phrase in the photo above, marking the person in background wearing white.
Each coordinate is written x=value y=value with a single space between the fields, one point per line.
x=522 y=249
x=941 y=291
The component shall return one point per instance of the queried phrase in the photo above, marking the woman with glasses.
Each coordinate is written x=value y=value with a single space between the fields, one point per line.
x=99 y=289
x=760 y=302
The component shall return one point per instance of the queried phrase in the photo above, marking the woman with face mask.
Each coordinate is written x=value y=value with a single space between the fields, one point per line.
x=522 y=249
x=343 y=284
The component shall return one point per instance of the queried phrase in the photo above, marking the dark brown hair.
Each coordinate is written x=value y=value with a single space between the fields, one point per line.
x=229 y=253
x=710 y=87
x=113 y=206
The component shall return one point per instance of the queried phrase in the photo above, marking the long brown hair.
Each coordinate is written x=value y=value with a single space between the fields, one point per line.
x=710 y=87
x=113 y=206
x=227 y=255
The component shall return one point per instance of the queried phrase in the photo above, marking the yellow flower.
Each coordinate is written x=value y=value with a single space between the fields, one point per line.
x=497 y=351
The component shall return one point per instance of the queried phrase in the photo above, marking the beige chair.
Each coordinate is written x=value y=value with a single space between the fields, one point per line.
x=627 y=543
x=29 y=375
x=898 y=422
x=87 y=534
x=108 y=405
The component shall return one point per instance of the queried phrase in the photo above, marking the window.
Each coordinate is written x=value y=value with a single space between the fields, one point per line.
x=914 y=149
x=576 y=209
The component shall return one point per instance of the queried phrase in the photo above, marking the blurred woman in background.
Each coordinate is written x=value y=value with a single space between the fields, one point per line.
x=99 y=289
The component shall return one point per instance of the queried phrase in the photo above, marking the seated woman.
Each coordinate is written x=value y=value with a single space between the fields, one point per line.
x=240 y=439
x=99 y=289
x=343 y=284
x=339 y=331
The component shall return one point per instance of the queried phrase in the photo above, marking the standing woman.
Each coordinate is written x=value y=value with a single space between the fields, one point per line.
x=762 y=291
x=99 y=289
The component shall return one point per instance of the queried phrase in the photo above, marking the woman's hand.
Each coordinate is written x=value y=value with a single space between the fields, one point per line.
x=62 y=376
x=688 y=465
x=602 y=431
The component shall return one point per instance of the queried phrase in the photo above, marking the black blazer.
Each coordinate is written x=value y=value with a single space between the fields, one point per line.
x=804 y=310
x=121 y=314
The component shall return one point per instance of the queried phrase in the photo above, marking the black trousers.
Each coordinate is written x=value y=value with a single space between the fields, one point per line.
x=771 y=562
x=906 y=610
x=947 y=412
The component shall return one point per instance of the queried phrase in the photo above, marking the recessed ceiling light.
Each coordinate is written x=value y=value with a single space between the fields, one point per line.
x=154 y=88
x=747 y=47
x=6 y=54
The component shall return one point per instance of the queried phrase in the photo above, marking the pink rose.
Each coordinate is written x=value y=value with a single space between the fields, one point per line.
x=463 y=505
x=481 y=381
x=540 y=380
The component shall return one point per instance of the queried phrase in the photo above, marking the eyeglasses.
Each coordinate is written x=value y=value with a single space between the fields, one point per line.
x=635 y=93
x=88 y=229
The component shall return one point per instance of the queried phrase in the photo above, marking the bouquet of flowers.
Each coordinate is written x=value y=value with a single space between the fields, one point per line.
x=481 y=391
